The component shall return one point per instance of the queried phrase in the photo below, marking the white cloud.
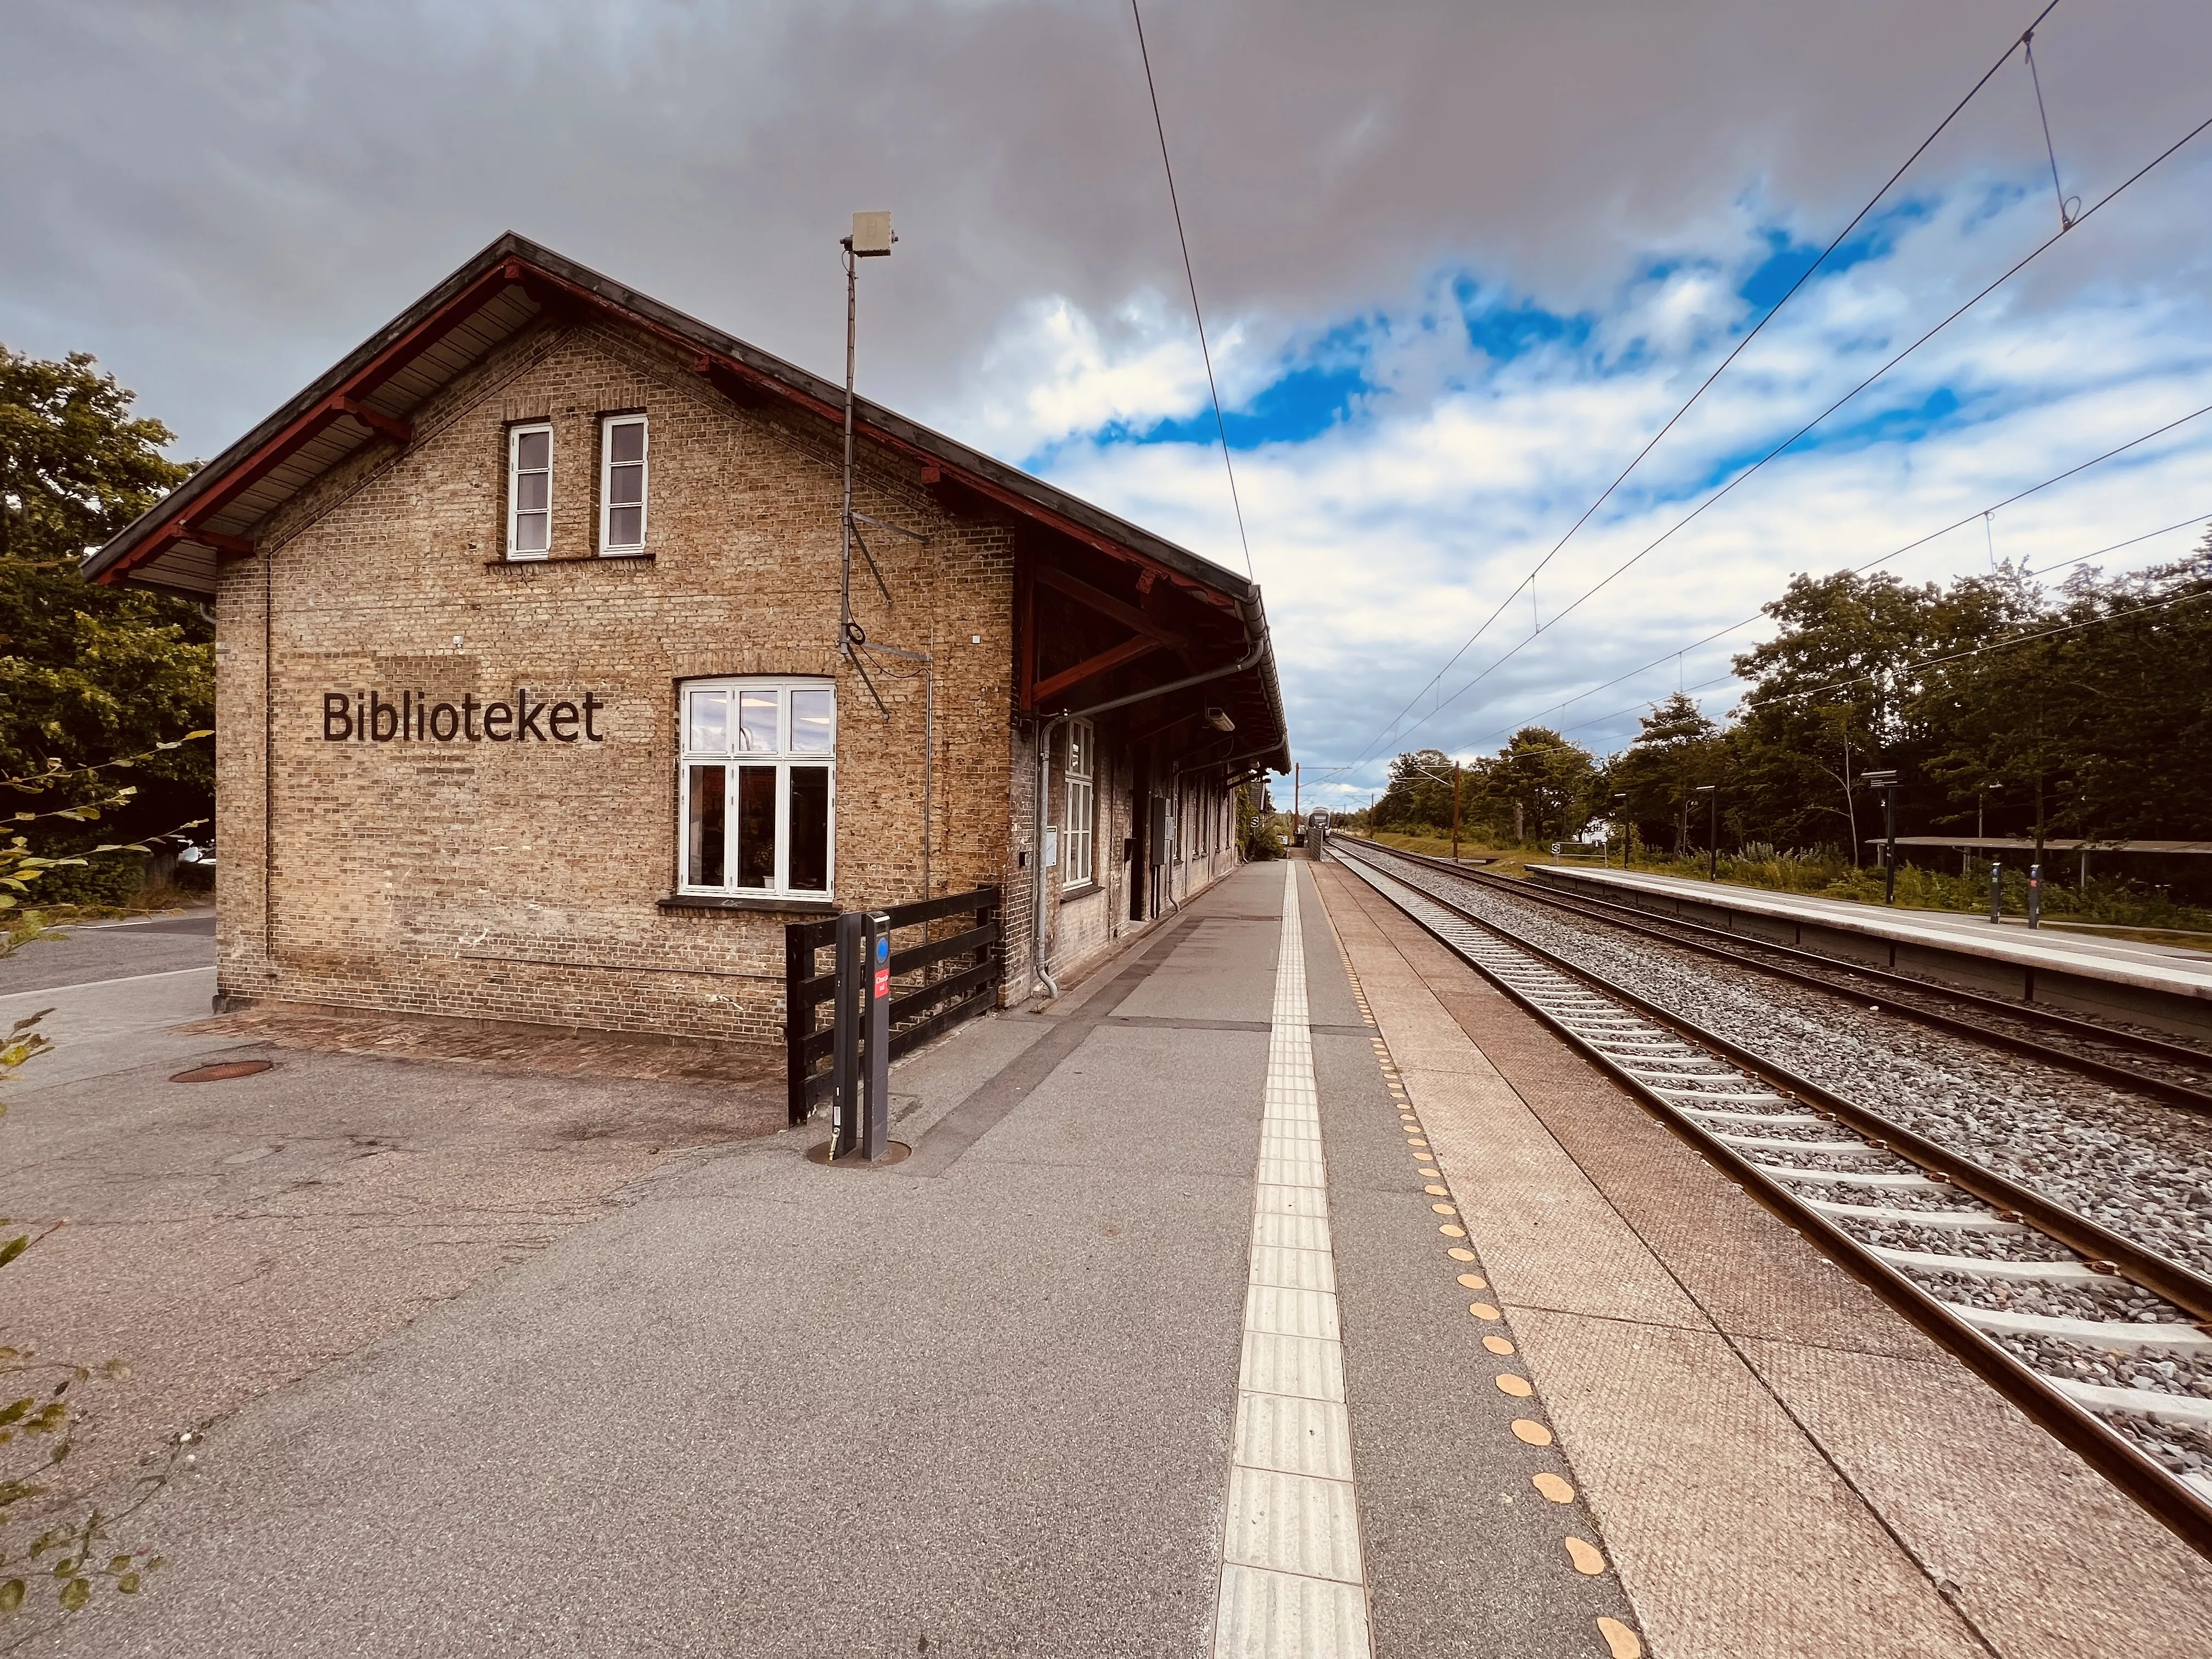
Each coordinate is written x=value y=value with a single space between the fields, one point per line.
x=1385 y=541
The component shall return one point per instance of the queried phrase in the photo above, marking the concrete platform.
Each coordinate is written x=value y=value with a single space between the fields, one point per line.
x=2153 y=985
x=1278 y=1290
x=1153 y=1345
x=1781 y=1465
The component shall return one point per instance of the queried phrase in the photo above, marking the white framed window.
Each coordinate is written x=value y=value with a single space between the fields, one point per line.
x=757 y=788
x=529 y=491
x=1076 y=842
x=622 y=485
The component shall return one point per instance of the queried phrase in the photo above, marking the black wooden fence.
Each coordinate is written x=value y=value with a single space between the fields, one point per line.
x=918 y=1012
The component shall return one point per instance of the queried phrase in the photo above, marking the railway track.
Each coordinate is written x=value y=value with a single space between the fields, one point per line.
x=2094 y=1334
x=2174 y=1071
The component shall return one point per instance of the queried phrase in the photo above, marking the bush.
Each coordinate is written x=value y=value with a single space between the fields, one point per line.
x=110 y=879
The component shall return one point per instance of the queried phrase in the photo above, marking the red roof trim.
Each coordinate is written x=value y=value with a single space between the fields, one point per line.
x=345 y=399
x=365 y=379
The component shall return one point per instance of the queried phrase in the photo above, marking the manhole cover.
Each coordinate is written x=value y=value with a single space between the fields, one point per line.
x=896 y=1152
x=223 y=1071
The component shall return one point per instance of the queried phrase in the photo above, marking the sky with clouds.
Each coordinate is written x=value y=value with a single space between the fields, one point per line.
x=1459 y=263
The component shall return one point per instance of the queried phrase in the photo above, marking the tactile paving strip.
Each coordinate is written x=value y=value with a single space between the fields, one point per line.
x=1292 y=1581
x=1621 y=1641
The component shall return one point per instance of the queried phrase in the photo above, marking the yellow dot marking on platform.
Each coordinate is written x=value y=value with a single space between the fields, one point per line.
x=1451 y=1232
x=1473 y=1281
x=1484 y=1311
x=1438 y=1192
x=1458 y=1254
x=1444 y=1209
x=1533 y=1434
x=1497 y=1344
x=1518 y=1387
x=1416 y=1141
x=1552 y=1488
x=1620 y=1642
x=1585 y=1555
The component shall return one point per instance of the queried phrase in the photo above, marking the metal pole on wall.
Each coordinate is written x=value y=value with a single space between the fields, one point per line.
x=872 y=238
x=845 y=514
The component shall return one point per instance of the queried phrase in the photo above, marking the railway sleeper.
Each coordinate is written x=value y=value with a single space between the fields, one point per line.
x=2103 y=1334
x=1957 y=1221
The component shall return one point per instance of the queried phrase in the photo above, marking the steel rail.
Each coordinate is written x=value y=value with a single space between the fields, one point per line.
x=1635 y=921
x=2172 y=1501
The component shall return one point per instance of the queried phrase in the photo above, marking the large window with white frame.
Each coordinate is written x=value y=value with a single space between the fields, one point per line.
x=622 y=485
x=757 y=788
x=529 y=491
x=1077 y=840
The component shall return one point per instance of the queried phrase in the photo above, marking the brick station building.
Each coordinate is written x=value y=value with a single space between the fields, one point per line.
x=531 y=705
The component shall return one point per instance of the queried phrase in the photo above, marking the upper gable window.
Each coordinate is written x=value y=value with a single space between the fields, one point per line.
x=622 y=483
x=529 y=492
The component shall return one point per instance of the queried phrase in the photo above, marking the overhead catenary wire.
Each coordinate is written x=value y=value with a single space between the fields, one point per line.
x=1980 y=650
x=1621 y=569
x=1735 y=353
x=1707 y=685
x=1680 y=651
x=1205 y=350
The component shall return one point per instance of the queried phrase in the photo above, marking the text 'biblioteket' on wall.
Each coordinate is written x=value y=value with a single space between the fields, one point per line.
x=368 y=717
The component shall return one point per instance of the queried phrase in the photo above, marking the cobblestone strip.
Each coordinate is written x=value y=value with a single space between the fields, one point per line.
x=1292 y=1580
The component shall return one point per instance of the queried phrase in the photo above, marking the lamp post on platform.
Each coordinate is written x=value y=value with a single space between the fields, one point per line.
x=1886 y=783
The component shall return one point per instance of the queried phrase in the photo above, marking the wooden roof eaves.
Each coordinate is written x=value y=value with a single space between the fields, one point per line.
x=277 y=439
x=512 y=261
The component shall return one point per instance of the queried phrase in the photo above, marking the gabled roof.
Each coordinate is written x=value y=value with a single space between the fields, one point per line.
x=369 y=397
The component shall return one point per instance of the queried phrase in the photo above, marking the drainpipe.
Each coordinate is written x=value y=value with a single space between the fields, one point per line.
x=1038 y=963
x=1175 y=784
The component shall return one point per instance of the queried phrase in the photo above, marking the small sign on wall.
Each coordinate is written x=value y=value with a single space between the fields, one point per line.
x=1051 y=845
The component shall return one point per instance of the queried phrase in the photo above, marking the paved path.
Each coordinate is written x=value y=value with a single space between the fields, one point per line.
x=1280 y=1291
x=987 y=1401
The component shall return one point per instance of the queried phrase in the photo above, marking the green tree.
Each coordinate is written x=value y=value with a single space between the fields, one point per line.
x=1836 y=691
x=1420 y=795
x=1553 y=782
x=1676 y=750
x=2098 y=722
x=90 y=673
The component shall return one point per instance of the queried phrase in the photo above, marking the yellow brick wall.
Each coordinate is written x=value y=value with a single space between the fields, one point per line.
x=519 y=881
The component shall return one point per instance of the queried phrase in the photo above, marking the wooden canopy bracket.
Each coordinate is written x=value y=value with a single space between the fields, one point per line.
x=1112 y=657
x=389 y=426
x=1107 y=605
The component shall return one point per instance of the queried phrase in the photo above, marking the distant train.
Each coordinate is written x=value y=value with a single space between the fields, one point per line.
x=1316 y=829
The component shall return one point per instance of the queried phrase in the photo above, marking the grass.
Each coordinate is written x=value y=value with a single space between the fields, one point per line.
x=146 y=902
x=2111 y=907
x=2105 y=905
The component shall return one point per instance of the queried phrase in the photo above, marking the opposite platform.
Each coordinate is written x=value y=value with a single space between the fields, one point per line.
x=2154 y=985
